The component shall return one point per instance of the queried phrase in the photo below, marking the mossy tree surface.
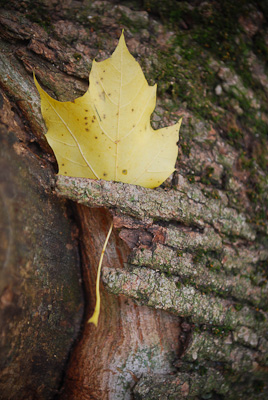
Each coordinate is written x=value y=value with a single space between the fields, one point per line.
x=185 y=277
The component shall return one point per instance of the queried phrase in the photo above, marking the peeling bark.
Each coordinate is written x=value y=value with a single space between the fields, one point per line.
x=168 y=206
x=130 y=339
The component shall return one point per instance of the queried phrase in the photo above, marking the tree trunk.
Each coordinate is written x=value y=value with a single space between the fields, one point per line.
x=184 y=281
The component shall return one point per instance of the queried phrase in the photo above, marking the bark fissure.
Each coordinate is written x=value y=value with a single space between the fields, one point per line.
x=141 y=202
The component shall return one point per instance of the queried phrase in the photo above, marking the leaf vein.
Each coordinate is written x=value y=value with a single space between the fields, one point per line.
x=74 y=138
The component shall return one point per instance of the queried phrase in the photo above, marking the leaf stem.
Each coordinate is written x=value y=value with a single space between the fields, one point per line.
x=95 y=317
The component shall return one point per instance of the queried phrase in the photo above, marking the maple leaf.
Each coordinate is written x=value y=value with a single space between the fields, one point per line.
x=106 y=133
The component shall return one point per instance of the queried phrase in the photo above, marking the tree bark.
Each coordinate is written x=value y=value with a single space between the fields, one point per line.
x=41 y=302
x=184 y=281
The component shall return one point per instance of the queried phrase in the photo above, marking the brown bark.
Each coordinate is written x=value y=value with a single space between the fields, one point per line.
x=129 y=340
x=40 y=294
x=41 y=299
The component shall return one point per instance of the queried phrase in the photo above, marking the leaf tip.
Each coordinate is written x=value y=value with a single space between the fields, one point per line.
x=122 y=38
x=37 y=83
x=34 y=77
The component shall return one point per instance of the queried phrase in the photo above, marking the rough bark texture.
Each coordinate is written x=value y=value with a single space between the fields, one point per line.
x=129 y=340
x=41 y=298
x=184 y=284
x=182 y=264
x=40 y=292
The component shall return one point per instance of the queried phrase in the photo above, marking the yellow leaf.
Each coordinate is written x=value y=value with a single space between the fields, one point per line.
x=106 y=133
